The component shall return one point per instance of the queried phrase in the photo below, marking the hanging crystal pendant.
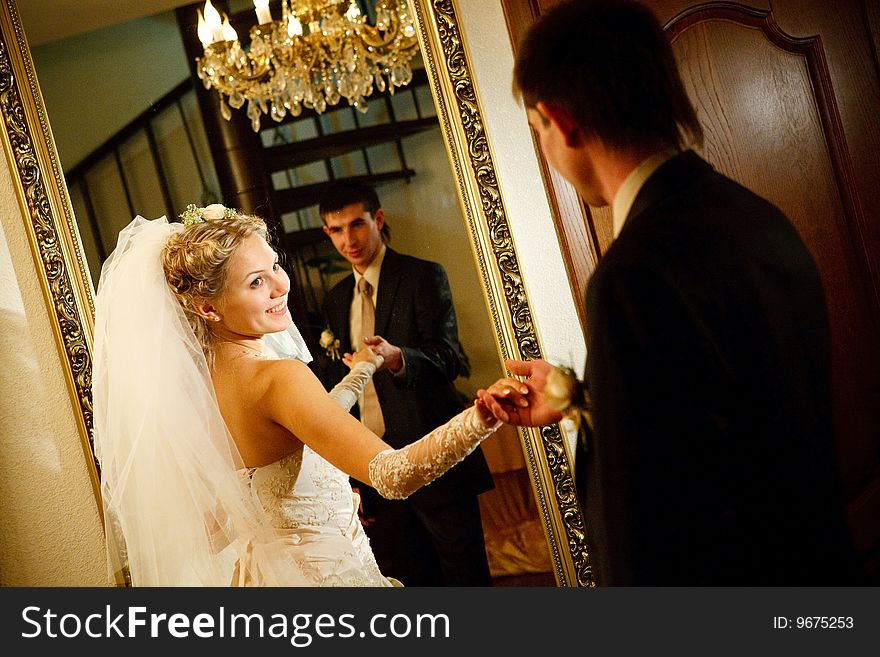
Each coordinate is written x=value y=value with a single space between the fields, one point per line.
x=225 y=112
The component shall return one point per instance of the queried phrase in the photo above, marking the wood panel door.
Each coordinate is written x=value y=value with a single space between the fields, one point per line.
x=789 y=99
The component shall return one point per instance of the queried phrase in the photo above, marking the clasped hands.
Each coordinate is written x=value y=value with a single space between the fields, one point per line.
x=520 y=403
x=376 y=350
x=508 y=400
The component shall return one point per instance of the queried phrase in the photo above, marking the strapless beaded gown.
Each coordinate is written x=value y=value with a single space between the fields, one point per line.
x=317 y=536
x=314 y=511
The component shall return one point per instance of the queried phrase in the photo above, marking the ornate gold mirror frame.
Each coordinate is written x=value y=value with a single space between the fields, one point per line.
x=464 y=134
x=42 y=193
x=39 y=184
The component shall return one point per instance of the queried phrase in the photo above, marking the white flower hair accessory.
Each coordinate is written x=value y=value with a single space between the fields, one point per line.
x=196 y=215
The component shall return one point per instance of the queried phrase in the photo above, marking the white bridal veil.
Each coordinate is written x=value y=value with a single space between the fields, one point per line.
x=178 y=506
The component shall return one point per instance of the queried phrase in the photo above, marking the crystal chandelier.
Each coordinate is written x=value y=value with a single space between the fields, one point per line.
x=319 y=52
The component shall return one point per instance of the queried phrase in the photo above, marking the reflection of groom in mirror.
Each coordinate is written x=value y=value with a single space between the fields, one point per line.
x=434 y=537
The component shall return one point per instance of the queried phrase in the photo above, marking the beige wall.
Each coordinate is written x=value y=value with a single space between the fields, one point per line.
x=528 y=211
x=95 y=83
x=51 y=531
x=510 y=141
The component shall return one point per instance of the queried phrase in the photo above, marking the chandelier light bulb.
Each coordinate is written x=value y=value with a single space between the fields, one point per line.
x=294 y=27
x=229 y=33
x=205 y=35
x=214 y=22
x=264 y=14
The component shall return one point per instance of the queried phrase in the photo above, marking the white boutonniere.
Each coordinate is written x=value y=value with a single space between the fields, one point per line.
x=564 y=392
x=330 y=344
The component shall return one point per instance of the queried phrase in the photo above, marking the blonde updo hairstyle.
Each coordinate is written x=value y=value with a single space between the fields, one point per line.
x=195 y=263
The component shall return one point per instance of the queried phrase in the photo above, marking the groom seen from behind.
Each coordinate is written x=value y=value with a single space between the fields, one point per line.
x=711 y=461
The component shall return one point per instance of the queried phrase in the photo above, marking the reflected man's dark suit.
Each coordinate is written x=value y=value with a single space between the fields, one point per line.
x=434 y=537
x=708 y=353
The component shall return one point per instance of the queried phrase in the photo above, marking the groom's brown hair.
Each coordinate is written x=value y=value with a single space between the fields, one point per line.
x=611 y=67
x=347 y=192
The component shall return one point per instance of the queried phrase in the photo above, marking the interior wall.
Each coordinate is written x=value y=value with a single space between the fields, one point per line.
x=191 y=175
x=528 y=211
x=90 y=93
x=52 y=533
x=87 y=92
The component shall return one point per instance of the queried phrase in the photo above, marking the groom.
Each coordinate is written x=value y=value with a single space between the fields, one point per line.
x=401 y=308
x=711 y=460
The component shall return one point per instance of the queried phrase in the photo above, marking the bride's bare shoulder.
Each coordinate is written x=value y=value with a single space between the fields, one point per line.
x=286 y=366
x=289 y=371
x=289 y=386
x=259 y=373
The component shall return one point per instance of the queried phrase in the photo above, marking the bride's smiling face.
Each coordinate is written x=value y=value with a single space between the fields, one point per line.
x=254 y=300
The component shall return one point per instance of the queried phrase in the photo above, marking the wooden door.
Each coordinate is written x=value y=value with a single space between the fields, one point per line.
x=789 y=99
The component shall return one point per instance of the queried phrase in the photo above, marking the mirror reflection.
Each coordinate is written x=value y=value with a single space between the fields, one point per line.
x=132 y=140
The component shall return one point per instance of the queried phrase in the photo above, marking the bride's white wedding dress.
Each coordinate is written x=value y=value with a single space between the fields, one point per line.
x=314 y=511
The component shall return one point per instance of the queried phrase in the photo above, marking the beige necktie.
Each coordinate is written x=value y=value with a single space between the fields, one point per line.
x=371 y=412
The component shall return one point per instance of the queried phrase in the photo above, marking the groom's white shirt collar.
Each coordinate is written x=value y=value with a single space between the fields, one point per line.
x=633 y=184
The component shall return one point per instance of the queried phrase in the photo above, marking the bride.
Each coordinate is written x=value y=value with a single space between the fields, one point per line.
x=223 y=459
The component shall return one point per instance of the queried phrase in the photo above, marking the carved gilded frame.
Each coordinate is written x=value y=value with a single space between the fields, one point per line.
x=39 y=184
x=42 y=193
x=458 y=108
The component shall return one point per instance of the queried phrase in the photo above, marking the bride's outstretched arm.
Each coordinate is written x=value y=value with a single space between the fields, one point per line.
x=346 y=392
x=397 y=473
x=319 y=422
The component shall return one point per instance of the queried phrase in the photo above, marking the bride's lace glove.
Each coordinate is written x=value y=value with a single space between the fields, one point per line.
x=397 y=473
x=346 y=392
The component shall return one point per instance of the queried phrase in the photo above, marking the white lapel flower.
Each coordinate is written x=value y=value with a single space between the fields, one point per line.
x=330 y=344
x=564 y=392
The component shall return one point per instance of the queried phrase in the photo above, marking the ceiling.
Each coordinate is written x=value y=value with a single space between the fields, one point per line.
x=50 y=20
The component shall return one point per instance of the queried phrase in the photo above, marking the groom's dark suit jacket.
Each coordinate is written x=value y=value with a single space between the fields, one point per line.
x=712 y=461
x=414 y=311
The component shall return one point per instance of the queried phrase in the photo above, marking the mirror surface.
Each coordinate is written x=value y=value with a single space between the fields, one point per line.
x=95 y=83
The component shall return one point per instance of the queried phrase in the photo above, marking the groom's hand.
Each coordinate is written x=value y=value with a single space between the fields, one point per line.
x=521 y=403
x=392 y=354
x=363 y=356
x=536 y=370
